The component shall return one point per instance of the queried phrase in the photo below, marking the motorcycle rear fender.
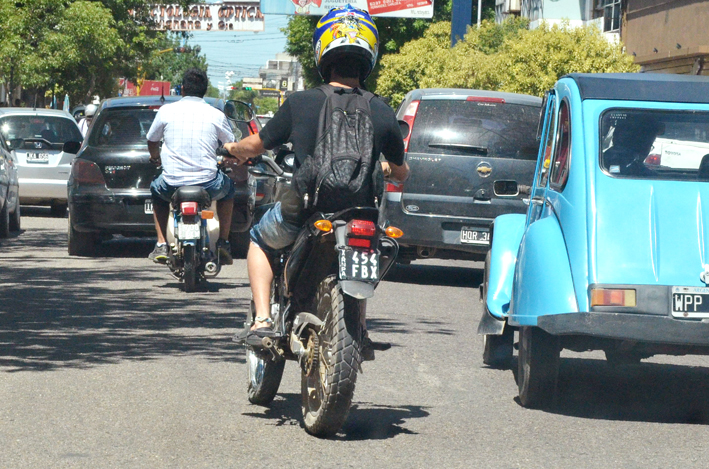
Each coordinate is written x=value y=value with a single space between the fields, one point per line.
x=543 y=284
x=507 y=234
x=212 y=227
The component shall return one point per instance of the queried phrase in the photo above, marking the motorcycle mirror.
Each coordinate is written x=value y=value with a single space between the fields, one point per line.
x=71 y=147
x=238 y=111
x=405 y=129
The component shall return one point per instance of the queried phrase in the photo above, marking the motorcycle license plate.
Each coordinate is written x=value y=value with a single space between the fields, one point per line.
x=359 y=265
x=188 y=231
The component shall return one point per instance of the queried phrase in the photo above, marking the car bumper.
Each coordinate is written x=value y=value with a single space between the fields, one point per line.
x=625 y=326
x=37 y=191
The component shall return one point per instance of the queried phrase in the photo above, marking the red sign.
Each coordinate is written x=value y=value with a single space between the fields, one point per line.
x=377 y=7
x=159 y=88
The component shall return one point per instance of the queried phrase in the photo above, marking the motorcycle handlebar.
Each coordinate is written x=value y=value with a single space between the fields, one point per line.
x=221 y=151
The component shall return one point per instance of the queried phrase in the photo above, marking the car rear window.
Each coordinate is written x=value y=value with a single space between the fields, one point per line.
x=643 y=144
x=54 y=129
x=120 y=127
x=460 y=127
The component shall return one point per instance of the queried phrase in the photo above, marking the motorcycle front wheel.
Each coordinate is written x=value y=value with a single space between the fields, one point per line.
x=327 y=388
x=191 y=261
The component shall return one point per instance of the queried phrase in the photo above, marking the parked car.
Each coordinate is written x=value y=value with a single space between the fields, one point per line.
x=109 y=185
x=9 y=191
x=472 y=155
x=612 y=255
x=37 y=136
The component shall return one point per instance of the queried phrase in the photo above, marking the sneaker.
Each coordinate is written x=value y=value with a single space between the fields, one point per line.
x=159 y=254
x=224 y=249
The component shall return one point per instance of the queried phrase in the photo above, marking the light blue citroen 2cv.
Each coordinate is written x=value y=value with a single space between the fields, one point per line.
x=613 y=253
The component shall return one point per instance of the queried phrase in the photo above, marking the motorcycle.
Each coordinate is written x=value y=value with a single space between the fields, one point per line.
x=318 y=304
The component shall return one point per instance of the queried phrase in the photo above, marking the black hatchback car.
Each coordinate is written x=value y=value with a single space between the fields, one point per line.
x=472 y=155
x=109 y=183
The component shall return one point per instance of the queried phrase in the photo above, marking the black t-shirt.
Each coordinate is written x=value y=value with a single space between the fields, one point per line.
x=297 y=122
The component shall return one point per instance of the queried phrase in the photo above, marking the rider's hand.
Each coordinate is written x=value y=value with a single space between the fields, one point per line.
x=386 y=169
x=233 y=149
x=155 y=161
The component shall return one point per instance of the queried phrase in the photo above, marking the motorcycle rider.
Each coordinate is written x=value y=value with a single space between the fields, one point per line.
x=345 y=43
x=84 y=123
x=191 y=131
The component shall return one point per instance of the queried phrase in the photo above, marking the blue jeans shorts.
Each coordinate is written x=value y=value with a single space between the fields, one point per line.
x=271 y=233
x=218 y=188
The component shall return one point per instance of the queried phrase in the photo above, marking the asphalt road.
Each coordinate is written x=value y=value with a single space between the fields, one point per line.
x=105 y=362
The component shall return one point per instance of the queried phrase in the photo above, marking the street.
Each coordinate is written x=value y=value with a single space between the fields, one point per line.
x=105 y=362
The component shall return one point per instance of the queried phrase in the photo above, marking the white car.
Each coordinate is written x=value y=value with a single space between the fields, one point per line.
x=38 y=137
x=677 y=154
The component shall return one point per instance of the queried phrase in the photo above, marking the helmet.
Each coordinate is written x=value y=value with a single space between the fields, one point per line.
x=90 y=110
x=346 y=32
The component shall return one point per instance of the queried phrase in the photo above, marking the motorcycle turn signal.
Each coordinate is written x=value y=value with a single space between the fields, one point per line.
x=323 y=225
x=393 y=232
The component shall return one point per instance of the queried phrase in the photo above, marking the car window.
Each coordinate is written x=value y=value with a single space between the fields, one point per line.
x=54 y=129
x=645 y=144
x=560 y=165
x=548 y=146
x=118 y=127
x=460 y=127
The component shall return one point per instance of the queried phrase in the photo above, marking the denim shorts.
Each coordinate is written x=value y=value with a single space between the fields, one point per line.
x=218 y=188
x=271 y=233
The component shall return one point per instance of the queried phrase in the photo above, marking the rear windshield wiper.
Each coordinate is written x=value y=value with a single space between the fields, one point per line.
x=460 y=146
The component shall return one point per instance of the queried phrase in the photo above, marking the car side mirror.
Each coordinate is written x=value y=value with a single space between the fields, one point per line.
x=238 y=111
x=15 y=143
x=71 y=147
x=404 y=128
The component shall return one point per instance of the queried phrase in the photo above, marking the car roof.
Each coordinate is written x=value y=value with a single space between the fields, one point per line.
x=662 y=87
x=18 y=111
x=139 y=101
x=460 y=93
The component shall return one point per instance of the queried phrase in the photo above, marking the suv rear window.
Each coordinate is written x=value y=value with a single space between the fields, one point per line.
x=459 y=127
x=126 y=126
x=56 y=130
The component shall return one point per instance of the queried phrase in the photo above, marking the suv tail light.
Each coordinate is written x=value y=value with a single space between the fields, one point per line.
x=188 y=208
x=391 y=187
x=87 y=173
x=360 y=232
x=409 y=118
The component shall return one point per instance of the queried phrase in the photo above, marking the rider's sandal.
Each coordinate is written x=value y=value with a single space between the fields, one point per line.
x=254 y=337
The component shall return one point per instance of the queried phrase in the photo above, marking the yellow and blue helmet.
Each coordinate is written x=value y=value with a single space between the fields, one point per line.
x=346 y=32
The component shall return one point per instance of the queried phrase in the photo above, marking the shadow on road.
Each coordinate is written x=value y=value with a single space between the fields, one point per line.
x=366 y=421
x=649 y=392
x=59 y=312
x=438 y=275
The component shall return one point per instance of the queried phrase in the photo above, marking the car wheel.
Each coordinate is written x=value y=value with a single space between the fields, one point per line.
x=58 y=210
x=538 y=367
x=15 y=218
x=5 y=221
x=81 y=244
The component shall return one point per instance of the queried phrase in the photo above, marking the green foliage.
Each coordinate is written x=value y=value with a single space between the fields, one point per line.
x=265 y=105
x=212 y=92
x=165 y=64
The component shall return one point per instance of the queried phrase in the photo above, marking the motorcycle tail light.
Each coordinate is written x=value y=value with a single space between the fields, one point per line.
x=391 y=187
x=393 y=232
x=323 y=225
x=87 y=172
x=359 y=242
x=189 y=208
x=361 y=228
x=207 y=214
x=613 y=297
x=409 y=118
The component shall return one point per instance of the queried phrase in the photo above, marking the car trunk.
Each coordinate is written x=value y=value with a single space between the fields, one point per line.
x=469 y=158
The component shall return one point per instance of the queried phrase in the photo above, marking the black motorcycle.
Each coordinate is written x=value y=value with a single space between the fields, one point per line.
x=318 y=300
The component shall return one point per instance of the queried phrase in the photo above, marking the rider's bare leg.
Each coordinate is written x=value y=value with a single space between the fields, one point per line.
x=160 y=215
x=260 y=277
x=224 y=211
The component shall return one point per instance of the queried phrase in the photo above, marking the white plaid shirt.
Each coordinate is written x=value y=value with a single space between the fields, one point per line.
x=191 y=131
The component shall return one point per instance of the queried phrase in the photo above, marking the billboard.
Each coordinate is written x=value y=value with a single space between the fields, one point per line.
x=226 y=16
x=390 y=8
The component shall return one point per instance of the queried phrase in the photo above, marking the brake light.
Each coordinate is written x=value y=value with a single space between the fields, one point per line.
x=485 y=99
x=613 y=297
x=361 y=228
x=188 y=208
x=409 y=118
x=653 y=160
x=391 y=187
x=87 y=172
x=359 y=242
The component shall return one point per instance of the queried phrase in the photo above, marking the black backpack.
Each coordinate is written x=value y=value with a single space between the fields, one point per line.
x=340 y=172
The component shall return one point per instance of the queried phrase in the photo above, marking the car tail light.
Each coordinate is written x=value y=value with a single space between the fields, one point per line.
x=188 y=208
x=485 y=99
x=613 y=297
x=87 y=173
x=253 y=128
x=409 y=118
x=391 y=187
x=653 y=160
x=361 y=228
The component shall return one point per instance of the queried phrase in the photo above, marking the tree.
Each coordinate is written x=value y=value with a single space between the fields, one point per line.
x=165 y=64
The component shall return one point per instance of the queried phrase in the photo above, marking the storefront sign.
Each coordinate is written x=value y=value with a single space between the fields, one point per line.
x=227 y=16
x=390 y=8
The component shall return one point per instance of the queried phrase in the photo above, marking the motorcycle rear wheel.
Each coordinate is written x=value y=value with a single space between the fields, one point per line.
x=264 y=377
x=191 y=261
x=328 y=389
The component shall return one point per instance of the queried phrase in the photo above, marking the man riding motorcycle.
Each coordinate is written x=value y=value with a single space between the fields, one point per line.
x=345 y=43
x=191 y=131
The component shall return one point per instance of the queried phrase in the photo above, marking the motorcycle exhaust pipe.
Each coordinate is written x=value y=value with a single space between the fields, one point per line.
x=211 y=267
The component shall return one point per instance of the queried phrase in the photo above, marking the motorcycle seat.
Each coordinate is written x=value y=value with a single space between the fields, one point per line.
x=191 y=194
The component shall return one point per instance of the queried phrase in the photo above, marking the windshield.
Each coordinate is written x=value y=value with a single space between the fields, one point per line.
x=492 y=129
x=54 y=129
x=655 y=144
x=120 y=127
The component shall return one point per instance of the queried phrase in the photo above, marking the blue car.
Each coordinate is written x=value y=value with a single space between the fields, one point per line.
x=613 y=253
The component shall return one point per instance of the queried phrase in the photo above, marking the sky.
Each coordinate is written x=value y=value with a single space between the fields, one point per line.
x=240 y=52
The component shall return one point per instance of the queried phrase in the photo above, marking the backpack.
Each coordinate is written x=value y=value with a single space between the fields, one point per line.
x=340 y=172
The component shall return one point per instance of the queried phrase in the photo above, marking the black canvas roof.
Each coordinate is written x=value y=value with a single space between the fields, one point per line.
x=643 y=87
